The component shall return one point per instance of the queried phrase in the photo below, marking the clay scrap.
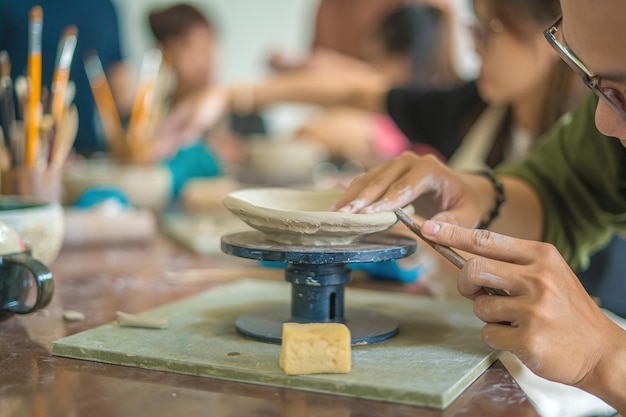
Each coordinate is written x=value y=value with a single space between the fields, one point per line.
x=148 y=322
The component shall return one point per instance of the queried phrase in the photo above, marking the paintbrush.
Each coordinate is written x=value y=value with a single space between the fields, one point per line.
x=18 y=144
x=21 y=93
x=5 y=157
x=7 y=109
x=70 y=93
x=139 y=123
x=60 y=79
x=47 y=132
x=34 y=75
x=65 y=136
x=105 y=102
x=162 y=89
x=447 y=252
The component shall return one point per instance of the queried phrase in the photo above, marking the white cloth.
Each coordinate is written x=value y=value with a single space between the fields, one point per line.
x=552 y=399
x=475 y=146
x=521 y=142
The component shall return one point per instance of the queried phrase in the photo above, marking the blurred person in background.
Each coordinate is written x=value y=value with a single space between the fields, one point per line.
x=339 y=32
x=411 y=47
x=190 y=44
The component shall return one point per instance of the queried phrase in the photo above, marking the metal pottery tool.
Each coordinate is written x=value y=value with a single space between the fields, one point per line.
x=448 y=253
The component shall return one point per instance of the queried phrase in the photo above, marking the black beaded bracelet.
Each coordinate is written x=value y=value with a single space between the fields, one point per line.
x=500 y=197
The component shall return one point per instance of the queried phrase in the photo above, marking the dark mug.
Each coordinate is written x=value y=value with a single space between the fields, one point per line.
x=18 y=272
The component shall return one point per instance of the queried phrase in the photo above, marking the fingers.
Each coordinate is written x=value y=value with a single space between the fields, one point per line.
x=394 y=184
x=371 y=186
x=501 y=336
x=494 y=309
x=480 y=273
x=483 y=242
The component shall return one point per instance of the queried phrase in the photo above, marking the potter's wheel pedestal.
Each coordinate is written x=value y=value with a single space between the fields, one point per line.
x=318 y=276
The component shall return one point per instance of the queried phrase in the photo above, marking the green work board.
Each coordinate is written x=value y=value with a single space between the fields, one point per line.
x=436 y=355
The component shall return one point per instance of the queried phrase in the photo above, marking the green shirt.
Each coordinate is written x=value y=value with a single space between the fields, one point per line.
x=580 y=178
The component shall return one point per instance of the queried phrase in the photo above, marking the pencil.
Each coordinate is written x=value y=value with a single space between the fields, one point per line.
x=34 y=75
x=61 y=76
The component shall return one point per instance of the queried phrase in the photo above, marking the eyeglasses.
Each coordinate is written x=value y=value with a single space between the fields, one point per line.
x=612 y=97
x=482 y=32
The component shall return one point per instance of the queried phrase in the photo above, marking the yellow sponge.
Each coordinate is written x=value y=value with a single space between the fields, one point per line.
x=315 y=348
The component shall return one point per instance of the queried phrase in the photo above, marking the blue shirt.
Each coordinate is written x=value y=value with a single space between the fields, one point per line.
x=98 y=30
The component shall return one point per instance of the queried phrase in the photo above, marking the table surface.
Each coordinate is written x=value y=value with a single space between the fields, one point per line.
x=99 y=281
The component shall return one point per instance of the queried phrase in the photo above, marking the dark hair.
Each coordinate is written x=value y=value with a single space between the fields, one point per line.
x=409 y=27
x=526 y=19
x=424 y=34
x=176 y=21
x=515 y=14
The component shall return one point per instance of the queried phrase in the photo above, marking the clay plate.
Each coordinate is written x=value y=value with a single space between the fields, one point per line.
x=301 y=217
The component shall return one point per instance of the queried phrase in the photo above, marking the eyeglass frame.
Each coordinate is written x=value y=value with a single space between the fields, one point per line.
x=590 y=79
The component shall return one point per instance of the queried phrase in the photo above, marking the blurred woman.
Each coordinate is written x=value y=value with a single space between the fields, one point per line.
x=412 y=46
x=190 y=45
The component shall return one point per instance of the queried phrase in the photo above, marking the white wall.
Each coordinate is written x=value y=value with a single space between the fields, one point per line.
x=466 y=60
x=249 y=30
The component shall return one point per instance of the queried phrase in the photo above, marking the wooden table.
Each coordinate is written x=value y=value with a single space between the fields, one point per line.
x=100 y=281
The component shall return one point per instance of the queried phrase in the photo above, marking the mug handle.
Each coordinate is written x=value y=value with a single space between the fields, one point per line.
x=43 y=277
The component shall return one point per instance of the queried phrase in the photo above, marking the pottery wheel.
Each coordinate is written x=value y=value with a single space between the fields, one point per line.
x=318 y=276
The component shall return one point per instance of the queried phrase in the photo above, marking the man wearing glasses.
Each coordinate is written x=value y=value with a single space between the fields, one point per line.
x=571 y=192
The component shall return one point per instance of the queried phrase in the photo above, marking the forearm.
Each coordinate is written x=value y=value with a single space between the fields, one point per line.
x=608 y=380
x=362 y=90
x=520 y=216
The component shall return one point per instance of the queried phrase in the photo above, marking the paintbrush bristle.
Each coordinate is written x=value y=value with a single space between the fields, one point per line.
x=5 y=64
x=36 y=13
x=71 y=30
x=21 y=86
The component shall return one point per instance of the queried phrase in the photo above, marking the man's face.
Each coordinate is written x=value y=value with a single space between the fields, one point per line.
x=596 y=32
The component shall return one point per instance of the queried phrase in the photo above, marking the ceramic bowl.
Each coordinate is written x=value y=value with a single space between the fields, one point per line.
x=40 y=223
x=146 y=186
x=301 y=217
x=202 y=195
x=283 y=162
